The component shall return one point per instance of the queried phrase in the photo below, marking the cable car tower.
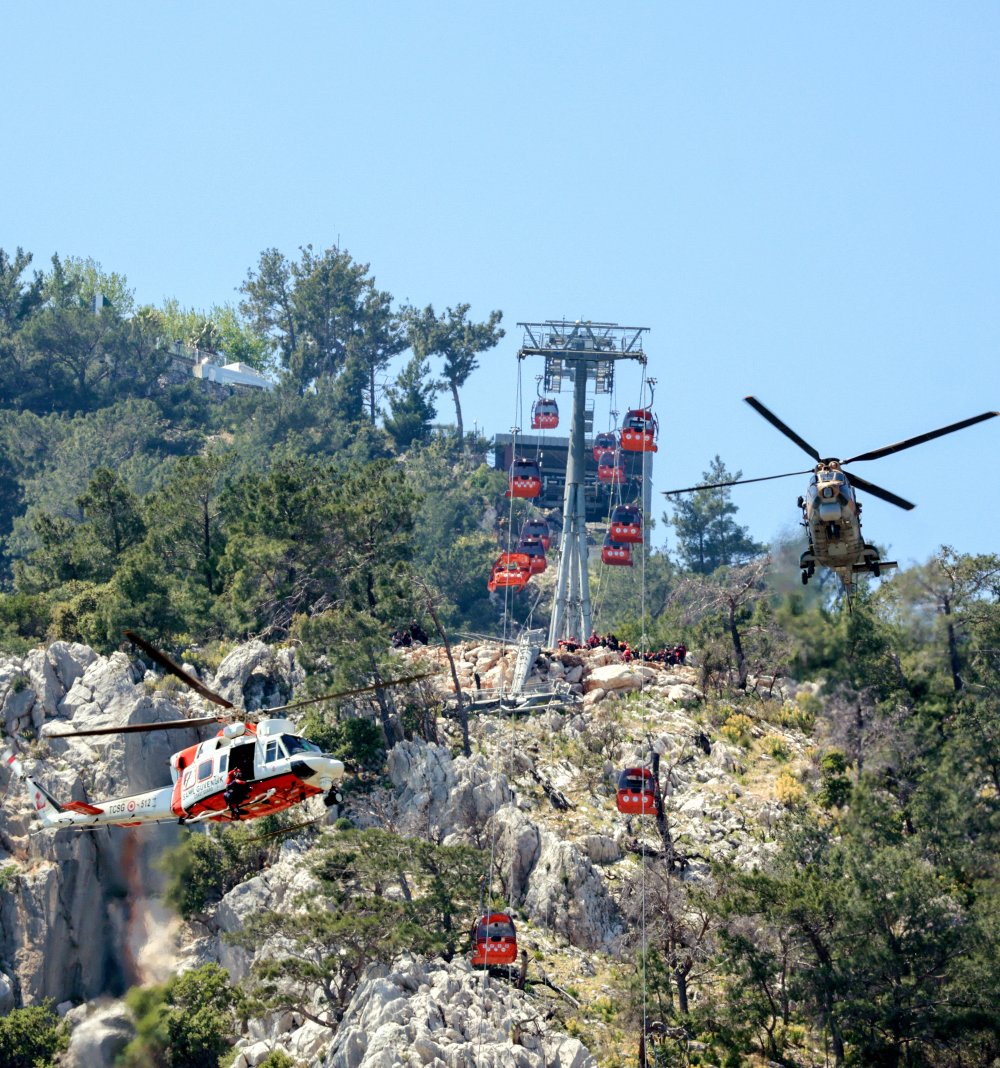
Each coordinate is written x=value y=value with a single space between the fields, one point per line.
x=584 y=353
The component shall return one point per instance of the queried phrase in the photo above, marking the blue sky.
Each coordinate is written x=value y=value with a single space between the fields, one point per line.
x=800 y=201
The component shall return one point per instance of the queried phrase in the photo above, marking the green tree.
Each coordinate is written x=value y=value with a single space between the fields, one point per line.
x=112 y=521
x=31 y=1037
x=707 y=534
x=19 y=297
x=411 y=404
x=319 y=312
x=185 y=1023
x=378 y=894
x=457 y=340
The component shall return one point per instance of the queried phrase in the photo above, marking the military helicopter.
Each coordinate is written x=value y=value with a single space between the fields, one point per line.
x=831 y=512
x=246 y=771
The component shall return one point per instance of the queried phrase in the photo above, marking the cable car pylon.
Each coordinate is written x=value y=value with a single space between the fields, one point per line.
x=583 y=352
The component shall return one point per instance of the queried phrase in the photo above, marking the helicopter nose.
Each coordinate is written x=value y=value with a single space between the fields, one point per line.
x=319 y=769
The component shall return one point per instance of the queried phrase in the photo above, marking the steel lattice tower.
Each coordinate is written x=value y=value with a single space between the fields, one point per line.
x=581 y=353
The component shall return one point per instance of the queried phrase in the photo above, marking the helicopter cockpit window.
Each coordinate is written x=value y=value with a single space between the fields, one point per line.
x=205 y=769
x=295 y=745
x=273 y=751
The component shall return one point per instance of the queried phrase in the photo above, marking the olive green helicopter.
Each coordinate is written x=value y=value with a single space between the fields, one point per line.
x=831 y=512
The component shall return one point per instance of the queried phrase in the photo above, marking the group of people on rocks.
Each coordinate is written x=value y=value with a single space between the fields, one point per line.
x=668 y=654
x=406 y=636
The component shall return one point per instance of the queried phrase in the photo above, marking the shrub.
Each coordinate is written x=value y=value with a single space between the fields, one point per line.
x=789 y=791
x=775 y=747
x=31 y=1037
x=737 y=729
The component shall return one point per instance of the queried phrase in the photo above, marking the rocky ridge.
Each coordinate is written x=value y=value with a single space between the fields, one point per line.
x=564 y=869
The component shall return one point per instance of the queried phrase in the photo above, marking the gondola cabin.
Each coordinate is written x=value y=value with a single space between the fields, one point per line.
x=626 y=525
x=537 y=528
x=511 y=571
x=639 y=431
x=606 y=442
x=610 y=469
x=524 y=479
x=535 y=551
x=544 y=414
x=614 y=554
x=636 y=794
x=494 y=941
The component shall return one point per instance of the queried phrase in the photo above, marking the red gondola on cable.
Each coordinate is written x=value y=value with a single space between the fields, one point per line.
x=614 y=554
x=544 y=414
x=537 y=528
x=626 y=524
x=610 y=469
x=606 y=442
x=639 y=431
x=511 y=571
x=636 y=794
x=535 y=551
x=494 y=940
x=524 y=479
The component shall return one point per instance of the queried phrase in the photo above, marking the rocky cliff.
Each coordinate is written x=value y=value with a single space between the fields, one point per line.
x=80 y=917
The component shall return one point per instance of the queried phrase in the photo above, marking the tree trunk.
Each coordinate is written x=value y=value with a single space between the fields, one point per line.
x=463 y=714
x=741 y=660
x=385 y=715
x=458 y=413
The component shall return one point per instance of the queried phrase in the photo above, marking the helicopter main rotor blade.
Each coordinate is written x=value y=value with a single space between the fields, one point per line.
x=783 y=427
x=735 y=482
x=877 y=491
x=167 y=664
x=888 y=450
x=350 y=693
x=135 y=728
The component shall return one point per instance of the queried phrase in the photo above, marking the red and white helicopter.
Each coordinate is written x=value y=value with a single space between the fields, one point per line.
x=274 y=766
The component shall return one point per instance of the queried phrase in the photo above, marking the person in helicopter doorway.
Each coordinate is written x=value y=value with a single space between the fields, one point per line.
x=236 y=792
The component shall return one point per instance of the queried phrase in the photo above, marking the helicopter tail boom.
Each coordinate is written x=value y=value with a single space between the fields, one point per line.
x=46 y=807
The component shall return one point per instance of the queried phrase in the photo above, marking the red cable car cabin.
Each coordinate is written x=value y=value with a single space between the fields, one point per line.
x=544 y=414
x=525 y=480
x=615 y=554
x=639 y=431
x=606 y=442
x=511 y=571
x=534 y=550
x=494 y=940
x=636 y=794
x=610 y=469
x=626 y=525
x=536 y=528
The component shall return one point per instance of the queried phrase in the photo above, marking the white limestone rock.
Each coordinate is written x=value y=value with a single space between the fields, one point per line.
x=99 y=1035
x=420 y=1013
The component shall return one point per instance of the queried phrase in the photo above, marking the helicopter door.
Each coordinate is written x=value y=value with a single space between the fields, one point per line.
x=241 y=757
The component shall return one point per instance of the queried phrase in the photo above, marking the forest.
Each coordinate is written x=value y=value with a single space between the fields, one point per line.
x=350 y=498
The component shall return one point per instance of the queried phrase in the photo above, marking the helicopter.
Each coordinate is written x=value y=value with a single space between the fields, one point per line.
x=274 y=766
x=831 y=512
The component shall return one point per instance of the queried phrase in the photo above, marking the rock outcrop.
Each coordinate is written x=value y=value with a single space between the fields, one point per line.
x=417 y=1013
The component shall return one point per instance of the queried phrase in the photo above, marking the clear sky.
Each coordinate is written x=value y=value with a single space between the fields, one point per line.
x=799 y=200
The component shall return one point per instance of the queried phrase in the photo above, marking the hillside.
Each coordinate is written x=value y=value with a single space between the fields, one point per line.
x=725 y=920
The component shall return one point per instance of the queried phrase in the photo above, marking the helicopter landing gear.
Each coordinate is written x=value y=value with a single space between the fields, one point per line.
x=333 y=797
x=805 y=578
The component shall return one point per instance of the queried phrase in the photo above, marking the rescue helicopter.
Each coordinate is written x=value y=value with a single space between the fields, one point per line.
x=831 y=512
x=246 y=771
